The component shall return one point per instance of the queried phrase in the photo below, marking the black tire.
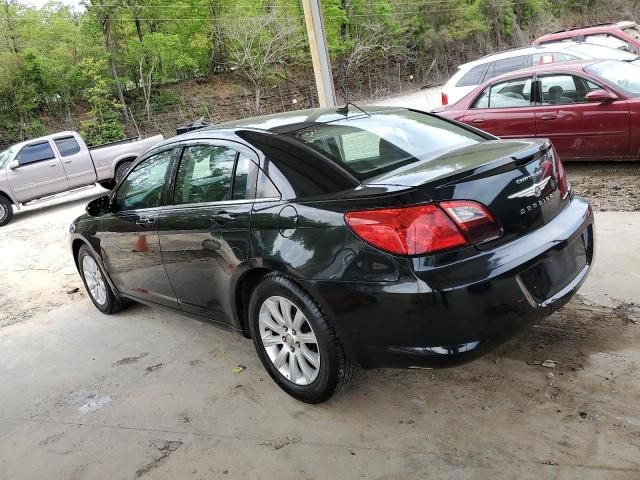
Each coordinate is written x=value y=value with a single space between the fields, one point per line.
x=6 y=211
x=121 y=170
x=335 y=371
x=113 y=303
x=108 y=184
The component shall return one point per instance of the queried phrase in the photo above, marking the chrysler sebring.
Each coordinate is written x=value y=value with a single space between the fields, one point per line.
x=340 y=239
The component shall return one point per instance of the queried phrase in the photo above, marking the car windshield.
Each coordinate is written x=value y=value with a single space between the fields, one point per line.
x=5 y=155
x=369 y=146
x=633 y=31
x=625 y=76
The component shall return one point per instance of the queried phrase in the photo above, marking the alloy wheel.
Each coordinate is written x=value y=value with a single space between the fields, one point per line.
x=95 y=281
x=289 y=340
x=3 y=211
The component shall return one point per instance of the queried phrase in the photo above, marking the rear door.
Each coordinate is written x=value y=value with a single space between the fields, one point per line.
x=75 y=160
x=128 y=237
x=505 y=109
x=578 y=128
x=39 y=172
x=204 y=231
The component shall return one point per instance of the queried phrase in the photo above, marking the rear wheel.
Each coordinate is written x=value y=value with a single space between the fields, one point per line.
x=96 y=284
x=122 y=169
x=6 y=211
x=296 y=344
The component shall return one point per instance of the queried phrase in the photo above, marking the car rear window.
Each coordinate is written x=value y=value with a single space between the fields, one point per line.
x=371 y=145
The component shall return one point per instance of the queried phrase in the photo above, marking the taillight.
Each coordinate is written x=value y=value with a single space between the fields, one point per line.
x=475 y=221
x=561 y=174
x=423 y=229
x=445 y=98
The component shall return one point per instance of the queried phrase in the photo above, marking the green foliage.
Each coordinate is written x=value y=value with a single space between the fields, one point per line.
x=98 y=132
x=53 y=58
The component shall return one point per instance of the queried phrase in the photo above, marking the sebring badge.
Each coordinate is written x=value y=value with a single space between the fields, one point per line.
x=534 y=190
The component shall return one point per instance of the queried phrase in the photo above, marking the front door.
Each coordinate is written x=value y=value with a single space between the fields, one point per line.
x=204 y=234
x=128 y=237
x=39 y=172
x=505 y=109
x=578 y=128
x=76 y=161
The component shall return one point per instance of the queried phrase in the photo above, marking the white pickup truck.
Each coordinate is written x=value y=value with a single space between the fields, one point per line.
x=59 y=163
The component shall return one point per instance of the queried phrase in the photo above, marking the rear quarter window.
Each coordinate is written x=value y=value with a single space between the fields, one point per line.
x=67 y=146
x=473 y=76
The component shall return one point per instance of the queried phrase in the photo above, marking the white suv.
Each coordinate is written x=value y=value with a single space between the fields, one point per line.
x=472 y=74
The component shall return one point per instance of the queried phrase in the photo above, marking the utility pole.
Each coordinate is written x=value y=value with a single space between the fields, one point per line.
x=319 y=52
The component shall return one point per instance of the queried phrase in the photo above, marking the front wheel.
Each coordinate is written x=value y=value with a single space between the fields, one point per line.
x=295 y=343
x=96 y=284
x=6 y=211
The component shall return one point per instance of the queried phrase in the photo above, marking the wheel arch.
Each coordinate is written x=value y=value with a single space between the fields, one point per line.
x=8 y=197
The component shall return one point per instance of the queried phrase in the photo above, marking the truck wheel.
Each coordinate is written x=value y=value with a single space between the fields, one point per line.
x=122 y=169
x=295 y=341
x=6 y=211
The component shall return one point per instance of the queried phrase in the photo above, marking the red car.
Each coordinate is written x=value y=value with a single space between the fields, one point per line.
x=590 y=110
x=621 y=35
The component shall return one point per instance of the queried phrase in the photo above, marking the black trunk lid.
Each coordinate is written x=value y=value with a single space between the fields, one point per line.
x=516 y=180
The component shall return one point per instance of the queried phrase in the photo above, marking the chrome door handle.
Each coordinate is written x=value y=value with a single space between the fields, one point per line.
x=146 y=221
x=549 y=116
x=477 y=120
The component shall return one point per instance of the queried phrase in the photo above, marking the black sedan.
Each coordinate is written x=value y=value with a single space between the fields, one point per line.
x=339 y=238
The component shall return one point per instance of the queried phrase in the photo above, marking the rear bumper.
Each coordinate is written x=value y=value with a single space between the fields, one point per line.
x=448 y=315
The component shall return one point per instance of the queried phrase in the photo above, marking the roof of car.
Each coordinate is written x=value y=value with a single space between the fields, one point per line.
x=596 y=27
x=278 y=122
x=514 y=52
x=574 y=65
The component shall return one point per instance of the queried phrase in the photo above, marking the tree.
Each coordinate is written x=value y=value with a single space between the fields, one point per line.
x=104 y=125
x=256 y=46
x=159 y=57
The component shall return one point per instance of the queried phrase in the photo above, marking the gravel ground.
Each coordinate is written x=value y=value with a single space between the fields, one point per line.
x=140 y=394
x=608 y=186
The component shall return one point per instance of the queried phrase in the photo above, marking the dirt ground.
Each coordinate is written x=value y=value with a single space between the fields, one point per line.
x=150 y=394
x=608 y=186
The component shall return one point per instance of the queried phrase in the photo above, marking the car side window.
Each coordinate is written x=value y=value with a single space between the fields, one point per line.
x=67 y=146
x=205 y=174
x=551 y=57
x=244 y=178
x=143 y=187
x=509 y=94
x=564 y=89
x=473 y=76
x=506 y=65
x=35 y=152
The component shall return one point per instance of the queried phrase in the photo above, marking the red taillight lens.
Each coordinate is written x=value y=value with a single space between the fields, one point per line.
x=406 y=231
x=445 y=98
x=475 y=221
x=563 y=181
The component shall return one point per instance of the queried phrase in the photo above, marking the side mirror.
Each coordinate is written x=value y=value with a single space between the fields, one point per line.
x=601 y=96
x=99 y=206
x=14 y=164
